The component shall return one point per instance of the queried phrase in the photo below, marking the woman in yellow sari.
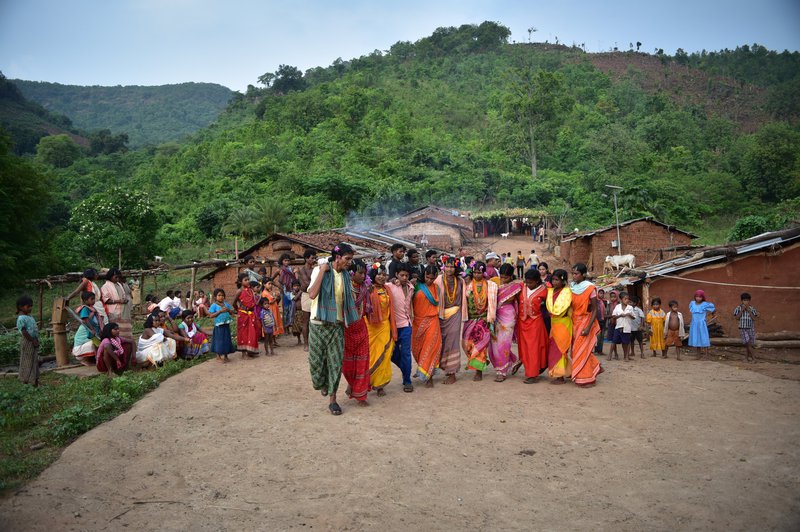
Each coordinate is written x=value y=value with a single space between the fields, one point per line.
x=426 y=335
x=382 y=330
x=559 y=302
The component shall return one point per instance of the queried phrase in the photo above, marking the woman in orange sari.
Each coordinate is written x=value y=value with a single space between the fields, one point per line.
x=426 y=335
x=585 y=367
x=559 y=301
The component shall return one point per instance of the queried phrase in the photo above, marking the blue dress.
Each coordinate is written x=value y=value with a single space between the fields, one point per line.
x=698 y=330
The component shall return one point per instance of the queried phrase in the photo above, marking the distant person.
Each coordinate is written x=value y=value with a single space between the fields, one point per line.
x=747 y=325
x=304 y=276
x=415 y=266
x=541 y=233
x=624 y=315
x=602 y=310
x=656 y=318
x=533 y=260
x=698 y=328
x=117 y=302
x=637 y=332
x=675 y=330
x=221 y=341
x=28 y=342
x=520 y=263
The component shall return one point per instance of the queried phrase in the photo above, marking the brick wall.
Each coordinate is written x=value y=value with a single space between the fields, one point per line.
x=643 y=239
x=776 y=307
x=429 y=229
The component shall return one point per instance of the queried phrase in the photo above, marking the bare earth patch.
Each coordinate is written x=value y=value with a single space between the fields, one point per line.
x=657 y=445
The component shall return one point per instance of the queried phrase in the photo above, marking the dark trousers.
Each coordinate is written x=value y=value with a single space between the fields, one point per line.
x=401 y=357
x=599 y=347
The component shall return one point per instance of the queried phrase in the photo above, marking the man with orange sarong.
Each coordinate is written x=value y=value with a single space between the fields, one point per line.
x=532 y=335
x=426 y=334
x=585 y=367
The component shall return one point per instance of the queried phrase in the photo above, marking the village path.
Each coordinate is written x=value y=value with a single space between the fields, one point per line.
x=656 y=445
x=519 y=243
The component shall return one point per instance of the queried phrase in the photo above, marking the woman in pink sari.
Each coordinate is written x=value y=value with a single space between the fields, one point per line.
x=500 y=353
x=478 y=315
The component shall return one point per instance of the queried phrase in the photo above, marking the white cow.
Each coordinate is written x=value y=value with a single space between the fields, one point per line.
x=618 y=261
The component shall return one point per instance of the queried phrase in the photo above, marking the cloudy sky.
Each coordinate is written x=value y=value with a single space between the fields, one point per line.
x=232 y=42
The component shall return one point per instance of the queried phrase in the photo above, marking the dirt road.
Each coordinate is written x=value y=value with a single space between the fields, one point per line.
x=657 y=445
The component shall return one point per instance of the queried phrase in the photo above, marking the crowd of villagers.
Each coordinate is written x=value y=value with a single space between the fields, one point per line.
x=358 y=319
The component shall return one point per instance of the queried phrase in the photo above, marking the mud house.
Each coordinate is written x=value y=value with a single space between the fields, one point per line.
x=646 y=238
x=431 y=227
x=765 y=266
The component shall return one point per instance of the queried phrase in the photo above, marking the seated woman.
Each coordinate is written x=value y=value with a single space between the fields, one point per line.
x=156 y=345
x=114 y=353
x=87 y=338
x=196 y=342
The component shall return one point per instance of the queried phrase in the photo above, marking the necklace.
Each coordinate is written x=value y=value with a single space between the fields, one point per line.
x=479 y=295
x=451 y=297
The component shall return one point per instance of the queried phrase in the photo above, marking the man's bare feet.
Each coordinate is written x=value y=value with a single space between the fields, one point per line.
x=449 y=379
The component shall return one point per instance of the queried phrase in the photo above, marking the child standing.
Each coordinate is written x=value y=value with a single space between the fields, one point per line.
x=28 y=343
x=637 y=334
x=294 y=311
x=624 y=315
x=698 y=329
x=221 y=342
x=656 y=318
x=675 y=331
x=747 y=326
x=267 y=321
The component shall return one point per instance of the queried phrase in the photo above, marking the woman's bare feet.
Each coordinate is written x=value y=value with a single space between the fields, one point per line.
x=429 y=383
x=449 y=379
x=500 y=378
x=380 y=392
x=478 y=376
x=559 y=380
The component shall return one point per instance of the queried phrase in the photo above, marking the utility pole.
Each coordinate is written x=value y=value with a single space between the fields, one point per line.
x=616 y=190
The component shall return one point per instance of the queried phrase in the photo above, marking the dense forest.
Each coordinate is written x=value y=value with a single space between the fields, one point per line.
x=462 y=118
x=147 y=115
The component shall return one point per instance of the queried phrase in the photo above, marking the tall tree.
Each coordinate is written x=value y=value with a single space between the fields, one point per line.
x=534 y=102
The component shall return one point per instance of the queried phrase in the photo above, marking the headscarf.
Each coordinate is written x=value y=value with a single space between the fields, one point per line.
x=700 y=293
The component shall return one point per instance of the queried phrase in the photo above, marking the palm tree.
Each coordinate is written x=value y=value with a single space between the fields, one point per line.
x=270 y=215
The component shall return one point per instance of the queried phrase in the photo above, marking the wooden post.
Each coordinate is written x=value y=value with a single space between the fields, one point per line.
x=59 y=320
x=119 y=258
x=236 y=247
x=645 y=294
x=41 y=305
x=191 y=289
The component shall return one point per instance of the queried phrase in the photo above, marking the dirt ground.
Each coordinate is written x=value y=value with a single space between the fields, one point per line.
x=657 y=444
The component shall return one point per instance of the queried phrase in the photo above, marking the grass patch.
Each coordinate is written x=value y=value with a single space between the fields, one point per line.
x=60 y=410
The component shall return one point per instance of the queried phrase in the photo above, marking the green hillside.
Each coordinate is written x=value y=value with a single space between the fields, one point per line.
x=448 y=119
x=148 y=115
x=27 y=121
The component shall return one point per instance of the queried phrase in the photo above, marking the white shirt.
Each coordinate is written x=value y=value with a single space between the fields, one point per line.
x=623 y=314
x=165 y=304
x=637 y=319
x=534 y=259
x=177 y=303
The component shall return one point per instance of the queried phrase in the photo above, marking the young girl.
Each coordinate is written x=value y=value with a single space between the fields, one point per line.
x=426 y=334
x=381 y=328
x=196 y=343
x=267 y=320
x=220 y=310
x=481 y=312
x=558 y=302
x=114 y=353
x=28 y=343
x=244 y=303
x=87 y=338
x=656 y=317
x=503 y=359
x=272 y=295
x=675 y=331
x=294 y=311
x=698 y=329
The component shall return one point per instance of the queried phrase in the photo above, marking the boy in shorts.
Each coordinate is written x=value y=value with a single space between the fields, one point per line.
x=624 y=315
x=674 y=330
x=747 y=326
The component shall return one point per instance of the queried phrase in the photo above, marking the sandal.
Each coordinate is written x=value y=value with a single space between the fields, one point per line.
x=516 y=367
x=335 y=409
x=531 y=380
x=408 y=388
x=500 y=378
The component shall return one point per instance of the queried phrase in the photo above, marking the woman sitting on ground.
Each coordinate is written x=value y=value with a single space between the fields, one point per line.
x=196 y=339
x=156 y=345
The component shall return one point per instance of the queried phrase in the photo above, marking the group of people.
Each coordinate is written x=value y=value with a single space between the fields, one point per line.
x=357 y=319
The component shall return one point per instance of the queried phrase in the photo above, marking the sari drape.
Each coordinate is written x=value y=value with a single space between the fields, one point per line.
x=477 y=337
x=585 y=366
x=247 y=326
x=500 y=353
x=381 y=339
x=426 y=334
x=532 y=337
x=355 y=363
x=558 y=305
x=450 y=320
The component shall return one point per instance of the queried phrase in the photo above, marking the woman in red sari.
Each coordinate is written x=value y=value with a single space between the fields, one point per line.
x=585 y=367
x=426 y=334
x=532 y=337
x=355 y=362
x=247 y=325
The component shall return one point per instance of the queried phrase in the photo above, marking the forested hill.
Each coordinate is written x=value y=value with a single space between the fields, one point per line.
x=461 y=118
x=148 y=115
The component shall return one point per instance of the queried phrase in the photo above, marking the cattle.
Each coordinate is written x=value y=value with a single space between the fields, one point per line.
x=618 y=261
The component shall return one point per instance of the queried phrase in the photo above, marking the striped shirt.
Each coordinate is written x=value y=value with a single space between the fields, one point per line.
x=745 y=316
